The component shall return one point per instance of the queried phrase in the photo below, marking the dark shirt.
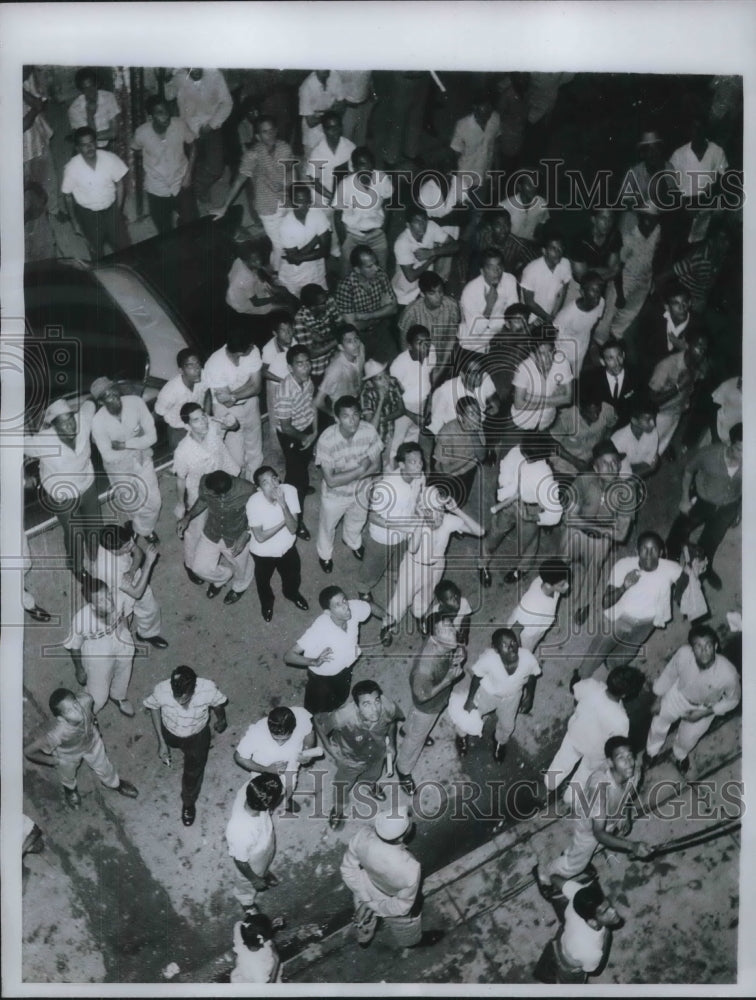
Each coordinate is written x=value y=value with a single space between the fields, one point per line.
x=598 y=383
x=431 y=666
x=458 y=450
x=393 y=401
x=227 y=514
x=351 y=737
x=712 y=483
x=586 y=251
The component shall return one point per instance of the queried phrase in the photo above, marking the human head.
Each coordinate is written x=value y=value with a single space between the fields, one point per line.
x=607 y=460
x=97 y=593
x=281 y=723
x=363 y=161
x=85 y=140
x=526 y=186
x=556 y=574
x=336 y=603
x=190 y=365
x=409 y=455
x=553 y=249
x=491 y=267
x=448 y=594
x=589 y=402
x=196 y=73
x=348 y=413
x=367 y=697
x=650 y=550
x=677 y=301
x=299 y=361
x=543 y=348
x=65 y=705
x=602 y=220
x=591 y=289
x=183 y=684
x=618 y=750
x=264 y=792
x=107 y=392
x=255 y=930
x=613 y=355
x=419 y=341
x=349 y=339
x=218 y=482
x=468 y=412
x=697 y=350
x=267 y=130
x=431 y=287
x=736 y=441
x=195 y=418
x=364 y=262
x=238 y=343
x=114 y=537
x=314 y=298
x=516 y=318
x=417 y=221
x=704 y=642
x=625 y=683
x=394 y=825
x=535 y=445
x=499 y=224
x=643 y=413
x=85 y=80
x=266 y=479
x=300 y=197
x=158 y=111
x=332 y=128
x=506 y=644
x=591 y=905
x=256 y=252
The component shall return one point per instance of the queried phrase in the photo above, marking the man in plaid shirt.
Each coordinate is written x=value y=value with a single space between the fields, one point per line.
x=180 y=708
x=315 y=327
x=366 y=299
x=294 y=416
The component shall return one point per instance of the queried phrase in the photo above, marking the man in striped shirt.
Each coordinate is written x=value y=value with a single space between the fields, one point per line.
x=316 y=326
x=348 y=453
x=294 y=417
x=180 y=708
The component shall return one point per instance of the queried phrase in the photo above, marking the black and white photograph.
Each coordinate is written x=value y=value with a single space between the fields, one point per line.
x=372 y=458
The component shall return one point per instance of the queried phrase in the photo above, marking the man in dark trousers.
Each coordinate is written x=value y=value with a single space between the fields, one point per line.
x=615 y=382
x=433 y=674
x=180 y=708
x=715 y=475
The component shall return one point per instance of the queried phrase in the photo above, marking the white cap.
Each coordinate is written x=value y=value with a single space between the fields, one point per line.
x=390 y=826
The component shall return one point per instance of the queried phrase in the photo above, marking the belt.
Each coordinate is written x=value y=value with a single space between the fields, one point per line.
x=364 y=232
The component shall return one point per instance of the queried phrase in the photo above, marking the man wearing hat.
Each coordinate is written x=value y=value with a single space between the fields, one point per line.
x=600 y=511
x=180 y=708
x=382 y=403
x=67 y=476
x=124 y=432
x=385 y=880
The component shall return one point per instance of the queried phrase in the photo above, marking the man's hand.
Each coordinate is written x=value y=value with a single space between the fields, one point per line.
x=631 y=579
x=217 y=213
x=81 y=675
x=164 y=753
x=220 y=725
x=697 y=713
x=239 y=544
x=685 y=506
x=279 y=766
x=150 y=552
x=182 y=525
x=424 y=254
x=324 y=657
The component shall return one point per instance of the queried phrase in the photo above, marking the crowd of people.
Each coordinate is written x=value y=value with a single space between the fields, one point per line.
x=488 y=334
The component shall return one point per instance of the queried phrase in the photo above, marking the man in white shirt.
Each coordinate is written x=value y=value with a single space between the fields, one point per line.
x=544 y=281
x=272 y=517
x=474 y=138
x=416 y=249
x=542 y=383
x=639 y=440
x=98 y=109
x=319 y=92
x=234 y=374
x=124 y=432
x=698 y=164
x=536 y=610
x=204 y=103
x=474 y=381
x=93 y=194
x=577 y=321
x=582 y=945
x=67 y=476
x=188 y=386
x=359 y=216
x=728 y=398
x=251 y=838
x=329 y=158
x=201 y=451
x=527 y=209
x=162 y=142
x=414 y=370
x=484 y=301
x=305 y=235
x=275 y=745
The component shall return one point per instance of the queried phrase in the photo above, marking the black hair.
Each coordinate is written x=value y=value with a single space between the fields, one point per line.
x=218 y=482
x=443 y=587
x=184 y=354
x=187 y=410
x=264 y=791
x=85 y=130
x=327 y=594
x=503 y=633
x=415 y=331
x=277 y=317
x=587 y=900
x=365 y=687
x=407 y=448
x=310 y=295
x=153 y=101
x=183 y=681
x=429 y=280
x=59 y=695
x=295 y=351
x=701 y=631
x=625 y=682
x=736 y=433
x=438 y=616
x=263 y=470
x=614 y=743
x=652 y=536
x=346 y=403
x=361 y=250
x=238 y=341
x=86 y=72
x=553 y=571
x=114 y=536
x=281 y=721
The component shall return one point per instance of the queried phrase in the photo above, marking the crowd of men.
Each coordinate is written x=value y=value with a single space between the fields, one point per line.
x=487 y=334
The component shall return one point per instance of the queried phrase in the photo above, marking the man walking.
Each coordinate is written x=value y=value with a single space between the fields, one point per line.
x=163 y=141
x=180 y=708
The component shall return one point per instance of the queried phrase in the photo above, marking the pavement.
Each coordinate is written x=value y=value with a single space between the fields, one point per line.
x=123 y=889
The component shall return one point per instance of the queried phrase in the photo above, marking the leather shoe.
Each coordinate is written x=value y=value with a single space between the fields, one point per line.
x=485 y=576
x=154 y=640
x=376 y=792
x=151 y=539
x=359 y=553
x=303 y=533
x=73 y=799
x=188 y=815
x=406 y=783
x=310 y=491
x=580 y=615
x=428 y=939
x=127 y=789
x=326 y=565
x=499 y=751
x=462 y=743
x=267 y=614
x=233 y=596
x=213 y=591
x=193 y=576
x=386 y=637
x=292 y=807
x=271 y=879
x=336 y=820
x=126 y=708
x=513 y=576
x=683 y=766
x=301 y=603
x=38 y=614
x=713 y=579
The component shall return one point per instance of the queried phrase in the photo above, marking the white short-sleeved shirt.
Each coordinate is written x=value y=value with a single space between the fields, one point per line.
x=474 y=144
x=65 y=472
x=243 y=286
x=648 y=600
x=323 y=160
x=106 y=110
x=495 y=680
x=314 y=98
x=163 y=156
x=93 y=187
x=596 y=718
x=394 y=499
x=87 y=629
x=529 y=377
x=405 y=246
x=643 y=450
x=194 y=459
x=221 y=372
x=536 y=611
x=574 y=327
x=189 y=719
x=257 y=743
x=544 y=283
x=324 y=633
x=249 y=837
x=296 y=234
x=465 y=610
x=526 y=218
x=444 y=400
x=435 y=541
x=261 y=513
x=275 y=358
x=172 y=397
x=107 y=429
x=362 y=208
x=475 y=330
x=696 y=176
x=414 y=377
x=581 y=943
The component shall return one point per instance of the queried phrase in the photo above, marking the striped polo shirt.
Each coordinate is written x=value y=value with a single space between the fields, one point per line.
x=342 y=454
x=294 y=402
